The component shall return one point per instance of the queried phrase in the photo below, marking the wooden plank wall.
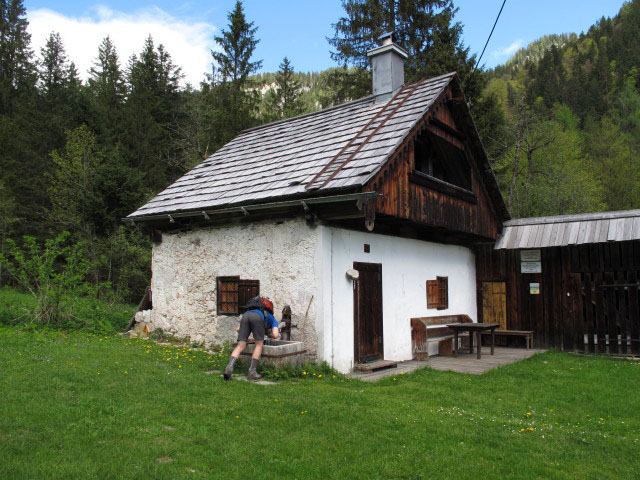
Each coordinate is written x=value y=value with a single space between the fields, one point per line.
x=407 y=200
x=589 y=295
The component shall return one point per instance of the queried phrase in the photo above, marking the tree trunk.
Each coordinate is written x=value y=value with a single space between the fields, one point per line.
x=516 y=165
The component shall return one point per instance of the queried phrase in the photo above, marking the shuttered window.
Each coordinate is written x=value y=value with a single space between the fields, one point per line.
x=438 y=293
x=234 y=293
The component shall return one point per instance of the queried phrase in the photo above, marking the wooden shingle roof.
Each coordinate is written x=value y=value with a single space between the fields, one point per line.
x=335 y=149
x=563 y=230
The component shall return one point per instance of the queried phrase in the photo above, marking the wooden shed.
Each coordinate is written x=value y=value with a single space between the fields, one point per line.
x=572 y=279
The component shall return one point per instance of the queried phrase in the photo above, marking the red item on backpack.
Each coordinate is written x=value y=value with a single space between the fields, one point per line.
x=268 y=304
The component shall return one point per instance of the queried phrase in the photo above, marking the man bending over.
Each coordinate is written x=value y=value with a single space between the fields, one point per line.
x=257 y=319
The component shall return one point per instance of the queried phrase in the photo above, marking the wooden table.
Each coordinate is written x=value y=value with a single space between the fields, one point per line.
x=472 y=328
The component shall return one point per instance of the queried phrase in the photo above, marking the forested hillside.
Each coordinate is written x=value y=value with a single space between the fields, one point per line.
x=571 y=142
x=561 y=122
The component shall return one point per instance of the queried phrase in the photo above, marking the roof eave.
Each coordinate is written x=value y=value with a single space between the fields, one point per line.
x=304 y=203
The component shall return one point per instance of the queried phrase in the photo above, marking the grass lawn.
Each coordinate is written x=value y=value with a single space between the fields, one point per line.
x=82 y=406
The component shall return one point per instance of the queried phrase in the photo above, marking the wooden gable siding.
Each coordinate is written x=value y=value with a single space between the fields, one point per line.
x=418 y=203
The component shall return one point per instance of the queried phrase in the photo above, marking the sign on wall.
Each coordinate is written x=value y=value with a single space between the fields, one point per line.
x=530 y=256
x=530 y=267
x=530 y=261
x=534 y=288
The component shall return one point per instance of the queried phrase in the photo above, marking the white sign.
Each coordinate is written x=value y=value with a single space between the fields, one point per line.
x=530 y=256
x=530 y=267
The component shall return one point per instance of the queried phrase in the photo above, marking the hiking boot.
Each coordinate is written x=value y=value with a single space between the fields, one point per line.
x=228 y=371
x=253 y=376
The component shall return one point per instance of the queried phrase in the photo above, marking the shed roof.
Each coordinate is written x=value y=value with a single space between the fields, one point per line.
x=563 y=230
x=339 y=148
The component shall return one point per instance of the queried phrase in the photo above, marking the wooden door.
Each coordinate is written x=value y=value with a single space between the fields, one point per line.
x=367 y=302
x=494 y=303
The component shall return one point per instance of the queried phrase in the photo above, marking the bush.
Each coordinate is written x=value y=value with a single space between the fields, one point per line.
x=50 y=273
x=55 y=275
x=86 y=314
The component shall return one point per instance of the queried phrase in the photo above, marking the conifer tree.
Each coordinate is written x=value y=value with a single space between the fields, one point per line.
x=16 y=67
x=284 y=101
x=53 y=69
x=62 y=102
x=232 y=103
x=106 y=84
x=152 y=102
x=105 y=77
x=238 y=43
x=424 y=28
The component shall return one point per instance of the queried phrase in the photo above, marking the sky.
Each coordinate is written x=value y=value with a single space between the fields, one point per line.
x=297 y=29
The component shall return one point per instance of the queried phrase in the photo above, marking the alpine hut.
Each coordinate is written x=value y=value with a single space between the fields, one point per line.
x=360 y=217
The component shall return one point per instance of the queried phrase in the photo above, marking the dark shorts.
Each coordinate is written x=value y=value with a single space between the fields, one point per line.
x=251 y=322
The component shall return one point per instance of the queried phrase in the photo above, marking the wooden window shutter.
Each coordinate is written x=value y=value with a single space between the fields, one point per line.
x=227 y=298
x=247 y=289
x=433 y=293
x=443 y=292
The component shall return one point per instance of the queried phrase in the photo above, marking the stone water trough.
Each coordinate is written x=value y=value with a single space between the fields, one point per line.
x=279 y=353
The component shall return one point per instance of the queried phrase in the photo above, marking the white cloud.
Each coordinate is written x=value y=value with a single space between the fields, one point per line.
x=188 y=43
x=508 y=51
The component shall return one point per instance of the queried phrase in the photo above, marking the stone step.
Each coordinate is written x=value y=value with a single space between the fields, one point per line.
x=375 y=366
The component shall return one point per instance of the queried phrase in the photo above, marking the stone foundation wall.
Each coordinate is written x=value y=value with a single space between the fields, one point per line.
x=280 y=254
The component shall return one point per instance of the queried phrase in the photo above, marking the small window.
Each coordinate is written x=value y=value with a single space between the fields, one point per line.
x=438 y=293
x=234 y=293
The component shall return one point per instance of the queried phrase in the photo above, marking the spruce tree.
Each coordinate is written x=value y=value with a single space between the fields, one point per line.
x=16 y=66
x=424 y=28
x=238 y=43
x=105 y=77
x=284 y=100
x=63 y=104
x=231 y=102
x=152 y=101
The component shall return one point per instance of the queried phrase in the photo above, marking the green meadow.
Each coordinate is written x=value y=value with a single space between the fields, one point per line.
x=81 y=405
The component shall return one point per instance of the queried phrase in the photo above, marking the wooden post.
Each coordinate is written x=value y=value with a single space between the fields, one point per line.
x=493 y=340
x=144 y=304
x=455 y=345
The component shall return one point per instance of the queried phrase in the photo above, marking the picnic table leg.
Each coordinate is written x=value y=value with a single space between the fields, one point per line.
x=470 y=342
x=479 y=342
x=455 y=345
x=493 y=339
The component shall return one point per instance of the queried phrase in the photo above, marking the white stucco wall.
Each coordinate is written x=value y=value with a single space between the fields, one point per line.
x=281 y=254
x=304 y=267
x=406 y=266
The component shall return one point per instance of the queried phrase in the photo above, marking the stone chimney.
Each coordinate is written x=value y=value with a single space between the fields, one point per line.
x=387 y=62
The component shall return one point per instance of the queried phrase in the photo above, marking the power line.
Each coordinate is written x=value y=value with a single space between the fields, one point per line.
x=494 y=27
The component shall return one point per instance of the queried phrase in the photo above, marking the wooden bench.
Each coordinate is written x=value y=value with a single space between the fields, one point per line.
x=429 y=330
x=526 y=334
